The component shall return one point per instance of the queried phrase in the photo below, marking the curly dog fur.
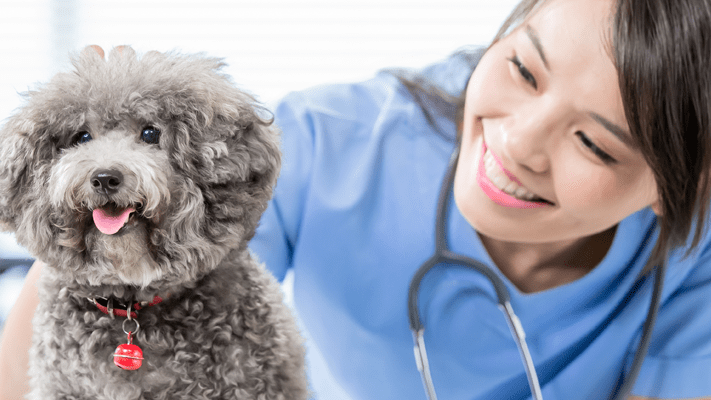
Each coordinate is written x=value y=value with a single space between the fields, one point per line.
x=195 y=160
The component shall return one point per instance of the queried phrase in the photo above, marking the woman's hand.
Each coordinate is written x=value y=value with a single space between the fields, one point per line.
x=17 y=338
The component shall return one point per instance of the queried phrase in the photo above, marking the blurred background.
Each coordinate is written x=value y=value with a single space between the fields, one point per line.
x=271 y=47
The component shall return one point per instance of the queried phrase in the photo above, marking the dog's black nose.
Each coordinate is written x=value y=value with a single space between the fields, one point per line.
x=107 y=181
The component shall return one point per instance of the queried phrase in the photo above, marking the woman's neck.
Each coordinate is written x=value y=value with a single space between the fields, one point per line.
x=540 y=266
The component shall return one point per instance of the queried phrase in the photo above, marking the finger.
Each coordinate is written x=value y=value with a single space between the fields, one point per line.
x=122 y=52
x=94 y=48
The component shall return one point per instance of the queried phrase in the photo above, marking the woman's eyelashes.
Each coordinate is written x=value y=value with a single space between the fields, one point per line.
x=523 y=71
x=528 y=77
x=531 y=80
x=606 y=158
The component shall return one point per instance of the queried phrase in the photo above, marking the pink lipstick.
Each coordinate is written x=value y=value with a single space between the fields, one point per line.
x=497 y=195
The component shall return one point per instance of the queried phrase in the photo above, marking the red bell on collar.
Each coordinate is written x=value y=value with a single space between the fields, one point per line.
x=128 y=356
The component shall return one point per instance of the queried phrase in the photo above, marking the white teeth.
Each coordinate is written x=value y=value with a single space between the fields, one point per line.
x=521 y=192
x=501 y=181
x=511 y=188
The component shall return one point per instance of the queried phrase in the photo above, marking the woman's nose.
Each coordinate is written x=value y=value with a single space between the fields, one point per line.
x=528 y=137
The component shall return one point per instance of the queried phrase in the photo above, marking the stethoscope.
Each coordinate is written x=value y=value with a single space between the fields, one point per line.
x=443 y=255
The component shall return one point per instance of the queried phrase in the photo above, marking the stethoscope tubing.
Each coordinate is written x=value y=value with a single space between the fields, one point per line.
x=443 y=255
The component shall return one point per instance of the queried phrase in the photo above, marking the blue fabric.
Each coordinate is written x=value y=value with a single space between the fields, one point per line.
x=353 y=217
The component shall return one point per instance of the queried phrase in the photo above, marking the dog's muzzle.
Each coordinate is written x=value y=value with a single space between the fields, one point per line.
x=111 y=217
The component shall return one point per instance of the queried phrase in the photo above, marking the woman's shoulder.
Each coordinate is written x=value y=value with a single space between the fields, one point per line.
x=690 y=264
x=385 y=92
x=452 y=74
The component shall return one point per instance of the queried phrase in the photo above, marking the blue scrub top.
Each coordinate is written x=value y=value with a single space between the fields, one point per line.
x=353 y=216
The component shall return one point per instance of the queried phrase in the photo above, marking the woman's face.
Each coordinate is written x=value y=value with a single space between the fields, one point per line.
x=543 y=119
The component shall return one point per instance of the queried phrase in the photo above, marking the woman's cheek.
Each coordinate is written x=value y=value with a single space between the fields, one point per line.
x=490 y=85
x=585 y=187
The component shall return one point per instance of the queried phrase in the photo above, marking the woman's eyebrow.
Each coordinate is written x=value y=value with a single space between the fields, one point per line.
x=616 y=130
x=536 y=40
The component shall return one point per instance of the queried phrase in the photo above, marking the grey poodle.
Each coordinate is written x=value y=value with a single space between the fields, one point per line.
x=140 y=181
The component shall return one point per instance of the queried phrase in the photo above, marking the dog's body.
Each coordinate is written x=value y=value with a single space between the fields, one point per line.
x=141 y=177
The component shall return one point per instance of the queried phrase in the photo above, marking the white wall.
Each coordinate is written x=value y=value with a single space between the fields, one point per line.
x=271 y=46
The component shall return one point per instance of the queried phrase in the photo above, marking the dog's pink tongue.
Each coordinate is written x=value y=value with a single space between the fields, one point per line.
x=110 y=223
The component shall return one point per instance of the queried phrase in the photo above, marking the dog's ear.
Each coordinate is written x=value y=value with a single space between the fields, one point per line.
x=24 y=164
x=237 y=150
x=252 y=141
x=244 y=159
x=14 y=170
x=222 y=143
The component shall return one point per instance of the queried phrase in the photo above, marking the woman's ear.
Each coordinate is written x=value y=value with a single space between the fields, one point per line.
x=657 y=207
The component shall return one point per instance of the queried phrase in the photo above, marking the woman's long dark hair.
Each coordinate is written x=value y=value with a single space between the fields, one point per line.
x=662 y=51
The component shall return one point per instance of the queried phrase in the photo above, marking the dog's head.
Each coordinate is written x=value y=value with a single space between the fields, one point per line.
x=136 y=170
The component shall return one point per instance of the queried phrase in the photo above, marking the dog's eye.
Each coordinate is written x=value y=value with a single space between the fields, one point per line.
x=150 y=135
x=81 y=137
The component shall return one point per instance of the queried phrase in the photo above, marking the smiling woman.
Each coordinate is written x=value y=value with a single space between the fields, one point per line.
x=535 y=103
x=548 y=96
x=567 y=202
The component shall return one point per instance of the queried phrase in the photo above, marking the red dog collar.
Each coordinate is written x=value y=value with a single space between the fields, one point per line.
x=116 y=308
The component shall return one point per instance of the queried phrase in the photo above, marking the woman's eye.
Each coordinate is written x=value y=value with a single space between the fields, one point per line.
x=81 y=137
x=525 y=73
x=150 y=135
x=606 y=158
